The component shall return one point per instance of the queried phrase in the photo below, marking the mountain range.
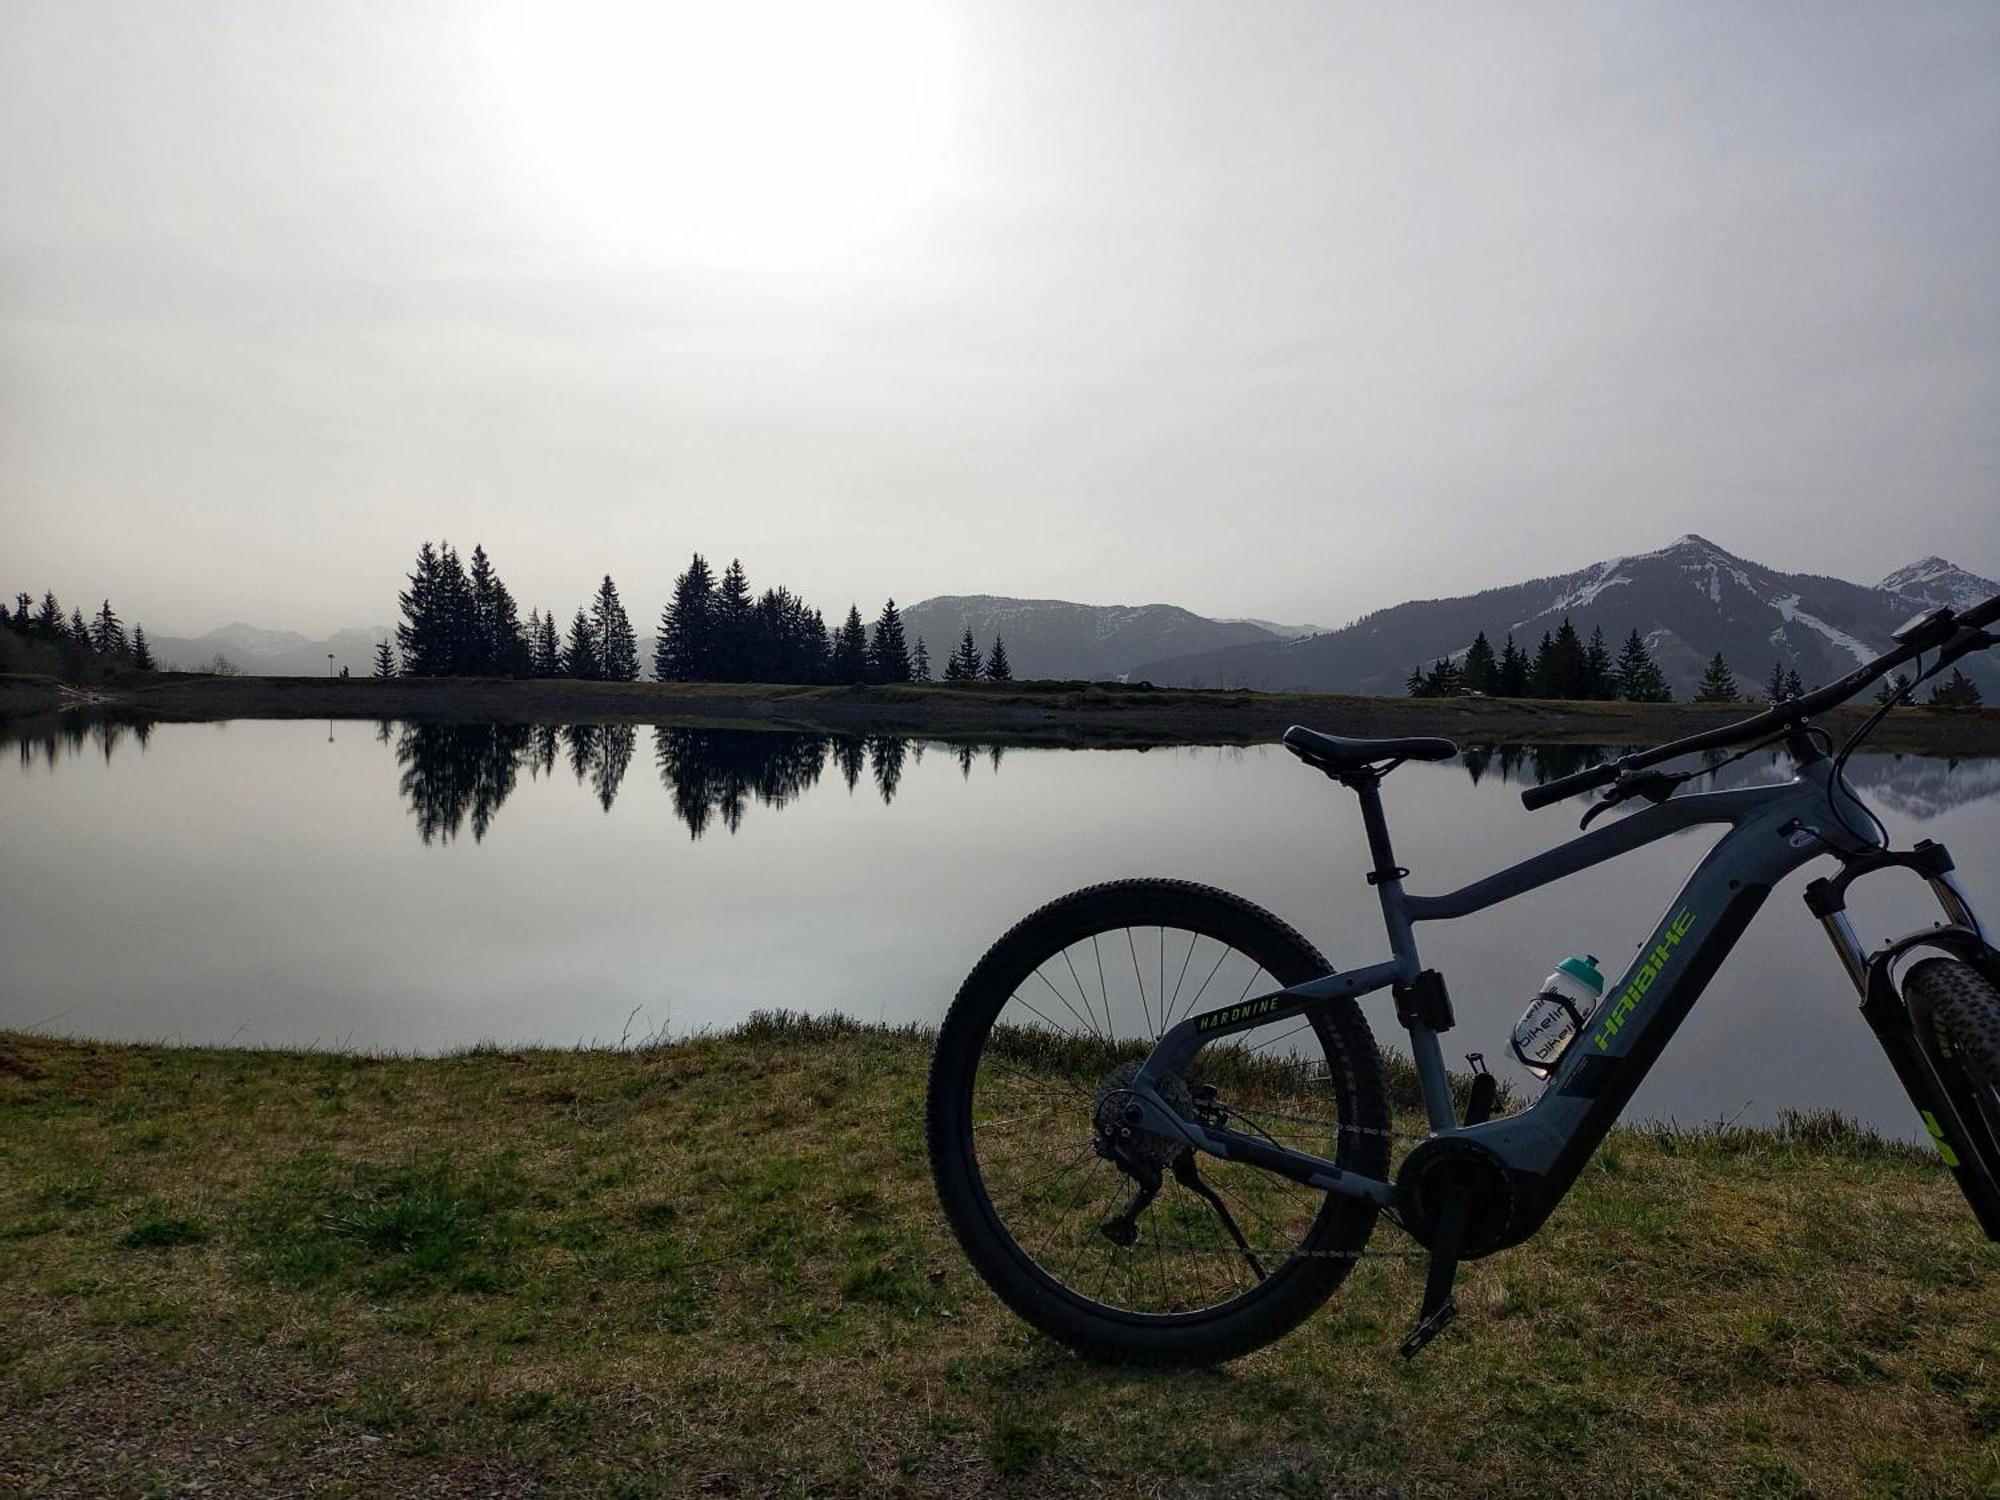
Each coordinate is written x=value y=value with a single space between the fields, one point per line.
x=273 y=653
x=1054 y=638
x=1688 y=600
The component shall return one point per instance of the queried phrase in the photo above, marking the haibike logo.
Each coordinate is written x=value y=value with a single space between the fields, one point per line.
x=1655 y=965
x=1230 y=1014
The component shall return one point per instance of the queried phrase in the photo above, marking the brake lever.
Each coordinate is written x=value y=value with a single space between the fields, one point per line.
x=1654 y=786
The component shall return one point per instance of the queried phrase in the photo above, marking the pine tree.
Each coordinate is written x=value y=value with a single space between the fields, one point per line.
x=429 y=635
x=1568 y=667
x=888 y=655
x=479 y=655
x=1513 y=670
x=1957 y=691
x=142 y=654
x=1639 y=677
x=1718 y=683
x=495 y=646
x=1480 y=670
x=998 y=669
x=684 y=651
x=549 y=647
x=732 y=624
x=1600 y=679
x=963 y=664
x=611 y=635
x=1414 y=683
x=580 y=655
x=107 y=633
x=1541 y=674
x=457 y=629
x=850 y=649
x=1444 y=680
x=920 y=664
x=49 y=623
x=79 y=631
x=1774 y=685
x=1794 y=685
x=385 y=659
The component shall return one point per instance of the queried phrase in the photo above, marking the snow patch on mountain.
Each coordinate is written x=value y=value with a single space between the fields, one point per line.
x=1789 y=608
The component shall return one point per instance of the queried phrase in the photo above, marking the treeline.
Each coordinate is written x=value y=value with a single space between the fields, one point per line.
x=43 y=638
x=461 y=621
x=1563 y=666
x=1567 y=666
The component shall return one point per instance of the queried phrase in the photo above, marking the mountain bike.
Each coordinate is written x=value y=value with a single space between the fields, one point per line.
x=1160 y=1127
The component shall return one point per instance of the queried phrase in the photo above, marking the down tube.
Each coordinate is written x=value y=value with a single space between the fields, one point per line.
x=1546 y=1145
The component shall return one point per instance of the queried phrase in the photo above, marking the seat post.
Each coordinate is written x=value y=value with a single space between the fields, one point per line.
x=1366 y=783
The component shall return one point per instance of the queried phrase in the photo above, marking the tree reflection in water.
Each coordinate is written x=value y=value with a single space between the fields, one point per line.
x=600 y=755
x=47 y=739
x=451 y=771
x=711 y=773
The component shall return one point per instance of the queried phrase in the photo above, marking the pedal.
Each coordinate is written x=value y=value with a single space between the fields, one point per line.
x=1439 y=1309
x=1428 y=1328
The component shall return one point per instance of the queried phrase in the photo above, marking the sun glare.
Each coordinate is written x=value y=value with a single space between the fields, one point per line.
x=756 y=133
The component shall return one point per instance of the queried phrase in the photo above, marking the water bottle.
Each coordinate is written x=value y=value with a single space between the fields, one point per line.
x=1555 y=1016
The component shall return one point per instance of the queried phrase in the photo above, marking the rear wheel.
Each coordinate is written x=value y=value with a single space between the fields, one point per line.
x=1965 y=1011
x=1121 y=1244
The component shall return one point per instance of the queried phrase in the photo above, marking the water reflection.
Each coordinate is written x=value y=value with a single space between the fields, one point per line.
x=451 y=771
x=228 y=869
x=458 y=776
x=47 y=740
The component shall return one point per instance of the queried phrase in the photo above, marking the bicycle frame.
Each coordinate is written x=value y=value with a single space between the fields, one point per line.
x=1772 y=830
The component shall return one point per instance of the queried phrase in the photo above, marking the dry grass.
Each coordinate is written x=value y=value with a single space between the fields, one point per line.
x=717 y=1267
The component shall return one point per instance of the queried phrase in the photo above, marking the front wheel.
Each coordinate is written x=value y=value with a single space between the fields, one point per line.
x=1964 y=1008
x=1124 y=1245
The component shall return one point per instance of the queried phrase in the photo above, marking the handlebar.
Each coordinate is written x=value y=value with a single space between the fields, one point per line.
x=1954 y=632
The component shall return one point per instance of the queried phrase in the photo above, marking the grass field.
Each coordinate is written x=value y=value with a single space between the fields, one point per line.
x=716 y=1267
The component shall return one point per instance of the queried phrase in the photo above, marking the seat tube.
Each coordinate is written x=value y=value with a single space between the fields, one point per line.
x=1387 y=878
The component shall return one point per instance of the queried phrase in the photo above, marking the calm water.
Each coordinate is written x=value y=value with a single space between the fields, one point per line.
x=427 y=888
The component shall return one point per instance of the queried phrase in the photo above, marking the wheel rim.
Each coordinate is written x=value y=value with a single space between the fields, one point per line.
x=1072 y=1028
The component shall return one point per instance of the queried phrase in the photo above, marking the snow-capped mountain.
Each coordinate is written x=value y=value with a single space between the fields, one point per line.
x=1688 y=600
x=1935 y=581
x=1055 y=638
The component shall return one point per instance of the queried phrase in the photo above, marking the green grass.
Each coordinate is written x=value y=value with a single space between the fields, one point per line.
x=717 y=1267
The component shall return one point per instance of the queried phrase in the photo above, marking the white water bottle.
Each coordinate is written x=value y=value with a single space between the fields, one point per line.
x=1555 y=1016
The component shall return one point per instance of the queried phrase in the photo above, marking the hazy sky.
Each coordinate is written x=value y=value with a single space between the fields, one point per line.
x=1290 y=310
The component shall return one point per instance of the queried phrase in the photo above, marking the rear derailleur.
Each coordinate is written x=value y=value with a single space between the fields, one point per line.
x=1145 y=1157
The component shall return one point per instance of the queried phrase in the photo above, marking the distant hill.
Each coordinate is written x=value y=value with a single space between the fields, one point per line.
x=1688 y=600
x=274 y=653
x=1054 y=638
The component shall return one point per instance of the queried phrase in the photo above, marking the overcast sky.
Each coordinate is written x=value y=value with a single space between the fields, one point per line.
x=1289 y=310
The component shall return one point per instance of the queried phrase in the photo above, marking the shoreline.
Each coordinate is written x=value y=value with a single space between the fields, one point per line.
x=1021 y=713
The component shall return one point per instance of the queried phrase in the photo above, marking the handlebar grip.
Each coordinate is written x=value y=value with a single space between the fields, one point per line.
x=1563 y=786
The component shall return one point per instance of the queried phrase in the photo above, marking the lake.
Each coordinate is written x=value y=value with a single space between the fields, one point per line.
x=422 y=888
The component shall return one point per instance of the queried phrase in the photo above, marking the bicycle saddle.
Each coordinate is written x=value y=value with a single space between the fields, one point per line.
x=1337 y=752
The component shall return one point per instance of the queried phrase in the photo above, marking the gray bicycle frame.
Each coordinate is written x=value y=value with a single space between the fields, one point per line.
x=1772 y=831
